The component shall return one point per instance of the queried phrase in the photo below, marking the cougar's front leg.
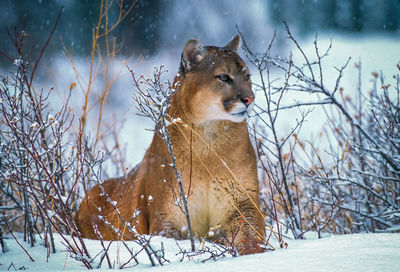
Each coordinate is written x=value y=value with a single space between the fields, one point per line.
x=247 y=229
x=167 y=220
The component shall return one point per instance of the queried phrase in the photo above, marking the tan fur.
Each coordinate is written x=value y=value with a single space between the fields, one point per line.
x=208 y=143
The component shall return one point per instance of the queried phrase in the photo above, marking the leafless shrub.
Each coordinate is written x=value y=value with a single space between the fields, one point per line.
x=209 y=251
x=274 y=149
x=38 y=183
x=153 y=100
x=45 y=167
x=363 y=182
x=358 y=190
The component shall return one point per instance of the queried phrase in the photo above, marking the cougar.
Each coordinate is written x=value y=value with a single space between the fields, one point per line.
x=214 y=157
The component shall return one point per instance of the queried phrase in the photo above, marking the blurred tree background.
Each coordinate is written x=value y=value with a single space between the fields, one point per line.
x=137 y=32
x=143 y=31
x=342 y=15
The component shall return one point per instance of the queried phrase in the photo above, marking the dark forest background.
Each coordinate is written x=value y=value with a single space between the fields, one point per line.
x=141 y=32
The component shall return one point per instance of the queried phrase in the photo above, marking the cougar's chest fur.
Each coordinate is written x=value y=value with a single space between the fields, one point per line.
x=209 y=157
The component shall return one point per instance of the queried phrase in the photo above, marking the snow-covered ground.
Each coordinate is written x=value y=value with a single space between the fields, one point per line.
x=356 y=252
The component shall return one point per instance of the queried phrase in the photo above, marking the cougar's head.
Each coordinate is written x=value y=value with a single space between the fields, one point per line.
x=215 y=83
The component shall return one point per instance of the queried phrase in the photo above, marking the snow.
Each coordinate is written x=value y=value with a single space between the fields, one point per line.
x=355 y=252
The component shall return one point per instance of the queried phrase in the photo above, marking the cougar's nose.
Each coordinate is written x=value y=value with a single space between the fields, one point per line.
x=247 y=100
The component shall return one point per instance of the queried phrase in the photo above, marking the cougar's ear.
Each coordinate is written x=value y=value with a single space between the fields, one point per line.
x=192 y=55
x=234 y=44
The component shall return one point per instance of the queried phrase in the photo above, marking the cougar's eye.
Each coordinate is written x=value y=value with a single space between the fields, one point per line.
x=225 y=78
x=247 y=77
